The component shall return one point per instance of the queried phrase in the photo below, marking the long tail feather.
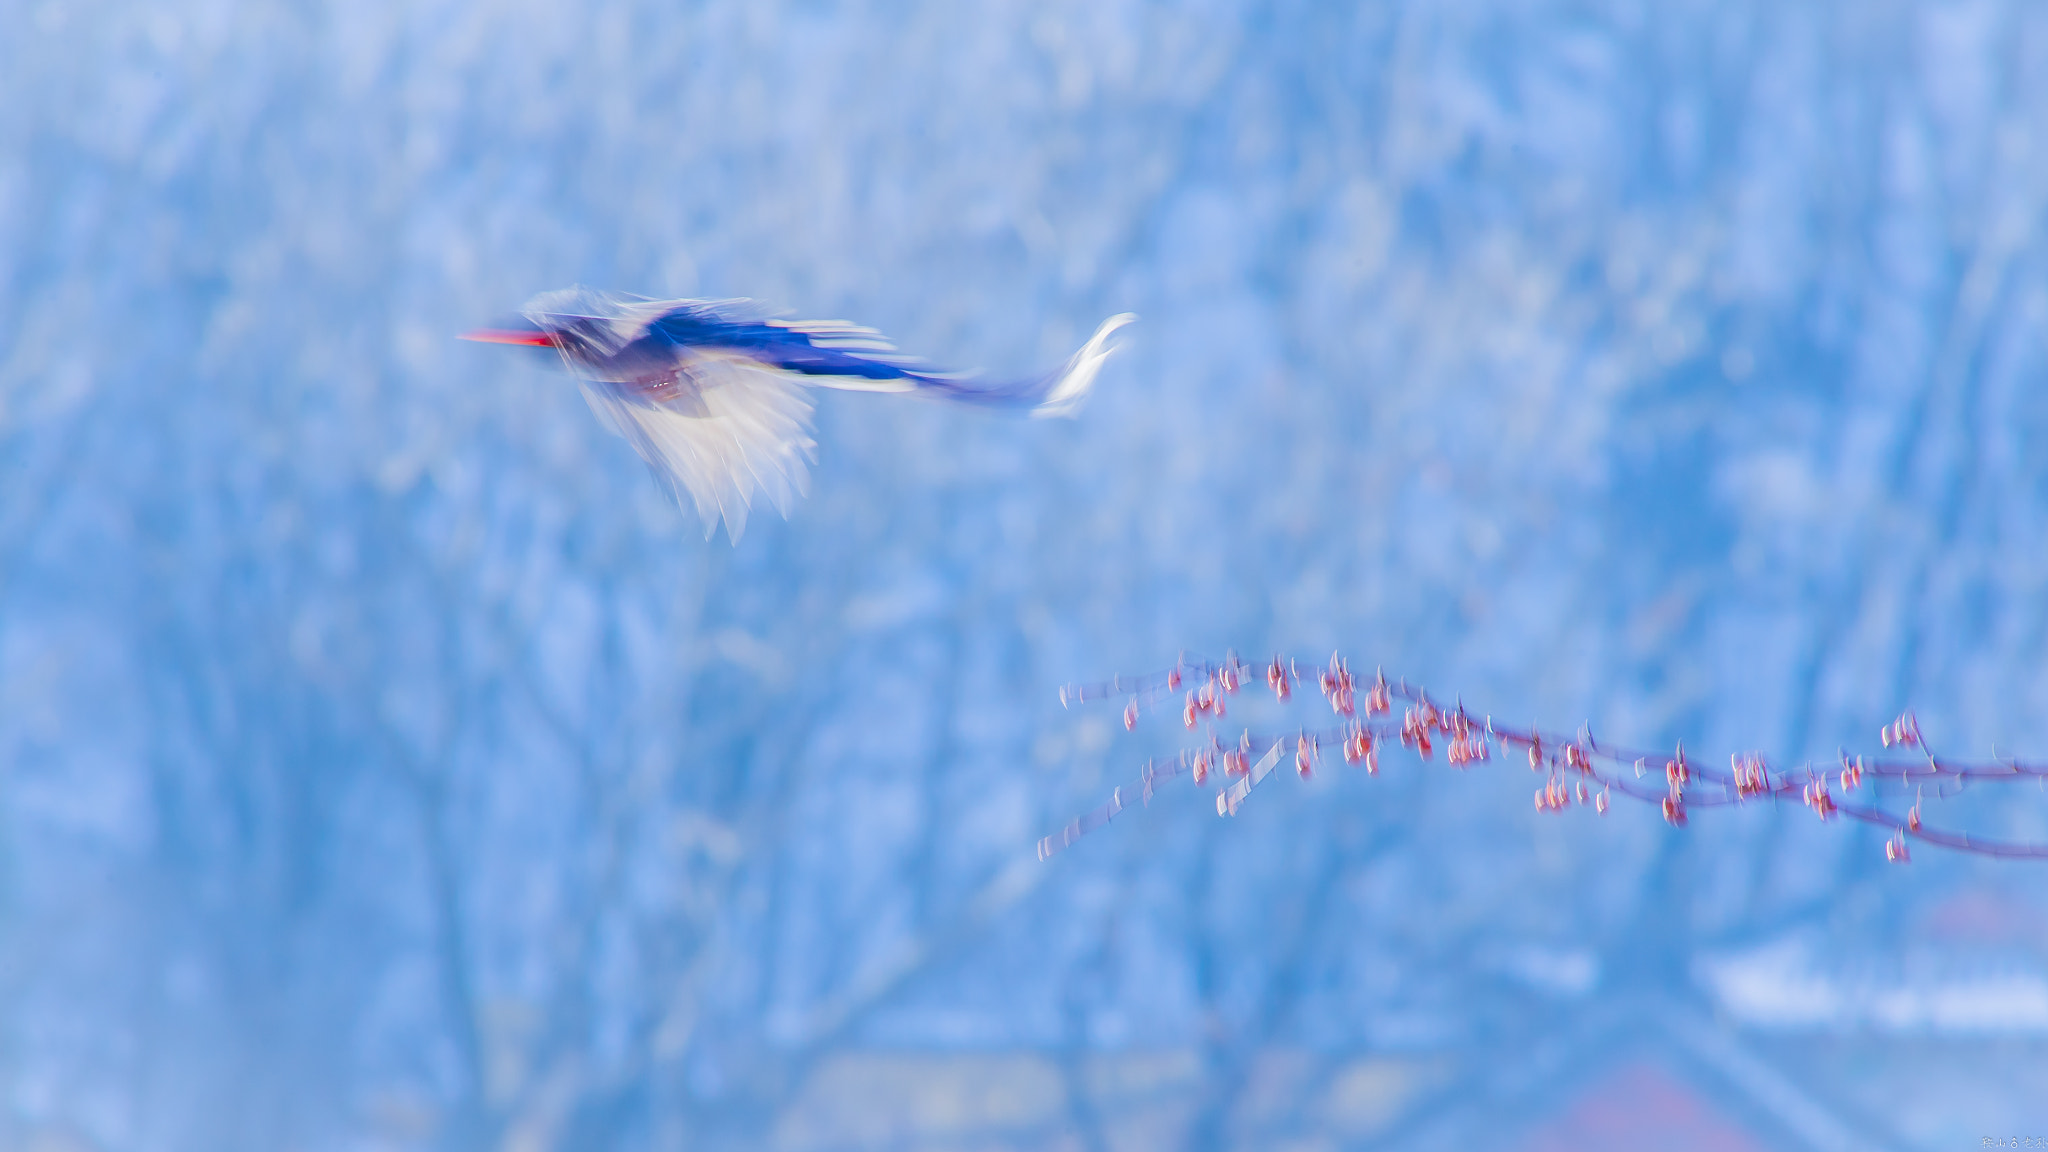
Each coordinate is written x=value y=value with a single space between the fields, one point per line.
x=1057 y=393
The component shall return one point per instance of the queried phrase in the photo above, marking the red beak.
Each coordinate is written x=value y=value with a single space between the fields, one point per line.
x=527 y=339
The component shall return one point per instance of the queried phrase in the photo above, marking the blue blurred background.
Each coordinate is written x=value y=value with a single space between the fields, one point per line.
x=384 y=764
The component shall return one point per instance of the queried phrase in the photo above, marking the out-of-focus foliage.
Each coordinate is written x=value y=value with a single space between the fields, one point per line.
x=383 y=762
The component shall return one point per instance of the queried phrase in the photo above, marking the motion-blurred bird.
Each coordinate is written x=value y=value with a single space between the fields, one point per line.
x=711 y=392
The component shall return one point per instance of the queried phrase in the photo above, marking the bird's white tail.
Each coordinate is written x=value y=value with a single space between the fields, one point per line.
x=1057 y=393
x=1070 y=386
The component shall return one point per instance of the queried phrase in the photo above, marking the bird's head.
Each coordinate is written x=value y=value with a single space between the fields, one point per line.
x=581 y=337
x=519 y=332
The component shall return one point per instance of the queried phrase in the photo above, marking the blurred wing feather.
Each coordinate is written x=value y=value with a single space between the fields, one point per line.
x=741 y=430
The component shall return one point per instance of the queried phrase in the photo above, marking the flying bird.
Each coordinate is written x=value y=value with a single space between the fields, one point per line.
x=711 y=393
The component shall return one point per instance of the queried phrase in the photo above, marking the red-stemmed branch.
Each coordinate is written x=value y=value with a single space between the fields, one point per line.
x=1577 y=769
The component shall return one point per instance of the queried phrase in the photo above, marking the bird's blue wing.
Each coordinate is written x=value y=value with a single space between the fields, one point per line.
x=808 y=347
